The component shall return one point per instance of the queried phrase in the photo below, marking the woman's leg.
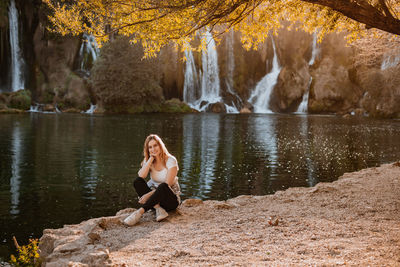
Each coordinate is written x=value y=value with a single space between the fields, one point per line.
x=140 y=186
x=163 y=196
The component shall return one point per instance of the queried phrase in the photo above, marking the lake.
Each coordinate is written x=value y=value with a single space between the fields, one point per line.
x=58 y=169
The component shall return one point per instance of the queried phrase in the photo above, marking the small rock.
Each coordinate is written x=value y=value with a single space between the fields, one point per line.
x=245 y=111
x=77 y=264
x=191 y=202
x=94 y=237
x=273 y=221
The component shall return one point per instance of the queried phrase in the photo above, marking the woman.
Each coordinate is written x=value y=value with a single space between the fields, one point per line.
x=162 y=190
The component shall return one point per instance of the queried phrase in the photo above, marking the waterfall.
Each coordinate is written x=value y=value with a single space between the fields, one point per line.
x=17 y=63
x=209 y=84
x=191 y=82
x=210 y=79
x=88 y=53
x=91 y=109
x=315 y=50
x=303 y=107
x=230 y=68
x=200 y=89
x=262 y=92
x=230 y=65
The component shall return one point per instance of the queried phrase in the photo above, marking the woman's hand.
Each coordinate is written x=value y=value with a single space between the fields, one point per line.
x=145 y=197
x=145 y=167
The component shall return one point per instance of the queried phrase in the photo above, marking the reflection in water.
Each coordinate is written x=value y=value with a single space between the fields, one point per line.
x=89 y=173
x=15 y=180
x=209 y=146
x=200 y=141
x=228 y=153
x=311 y=179
x=265 y=138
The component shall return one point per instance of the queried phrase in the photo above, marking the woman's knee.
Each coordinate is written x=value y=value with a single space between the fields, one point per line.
x=163 y=186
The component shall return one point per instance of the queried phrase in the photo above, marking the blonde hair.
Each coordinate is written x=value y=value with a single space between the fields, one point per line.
x=164 y=151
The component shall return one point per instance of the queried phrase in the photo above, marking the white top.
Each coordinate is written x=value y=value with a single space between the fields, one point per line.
x=158 y=177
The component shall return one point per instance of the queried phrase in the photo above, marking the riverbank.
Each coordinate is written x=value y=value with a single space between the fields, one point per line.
x=352 y=221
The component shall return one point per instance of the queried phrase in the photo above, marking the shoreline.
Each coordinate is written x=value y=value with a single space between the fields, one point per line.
x=352 y=221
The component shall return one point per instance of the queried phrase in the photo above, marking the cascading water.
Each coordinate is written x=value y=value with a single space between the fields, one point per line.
x=230 y=65
x=91 y=110
x=315 y=50
x=303 y=107
x=88 y=53
x=230 y=68
x=262 y=92
x=191 y=82
x=200 y=89
x=210 y=86
x=17 y=63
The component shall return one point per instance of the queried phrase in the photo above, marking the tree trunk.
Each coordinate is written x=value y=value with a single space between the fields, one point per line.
x=363 y=13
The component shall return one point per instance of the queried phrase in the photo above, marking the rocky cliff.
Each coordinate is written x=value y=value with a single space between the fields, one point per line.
x=361 y=78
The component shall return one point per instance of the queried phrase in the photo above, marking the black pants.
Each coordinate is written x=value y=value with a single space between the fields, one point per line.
x=163 y=195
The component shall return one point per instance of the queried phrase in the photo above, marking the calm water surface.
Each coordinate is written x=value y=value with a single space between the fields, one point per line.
x=62 y=169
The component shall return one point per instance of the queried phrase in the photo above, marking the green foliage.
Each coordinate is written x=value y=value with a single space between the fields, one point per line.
x=20 y=99
x=28 y=255
x=175 y=106
x=3 y=13
x=48 y=96
x=124 y=81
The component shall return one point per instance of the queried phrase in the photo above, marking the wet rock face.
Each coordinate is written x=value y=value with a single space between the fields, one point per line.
x=218 y=107
x=332 y=90
x=291 y=86
x=382 y=92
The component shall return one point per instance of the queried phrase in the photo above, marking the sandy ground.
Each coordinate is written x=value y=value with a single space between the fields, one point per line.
x=352 y=221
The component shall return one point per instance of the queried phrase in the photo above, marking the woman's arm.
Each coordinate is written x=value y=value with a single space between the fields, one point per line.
x=144 y=171
x=145 y=197
x=171 y=174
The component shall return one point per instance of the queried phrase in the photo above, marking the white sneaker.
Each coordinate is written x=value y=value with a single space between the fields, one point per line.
x=161 y=214
x=133 y=218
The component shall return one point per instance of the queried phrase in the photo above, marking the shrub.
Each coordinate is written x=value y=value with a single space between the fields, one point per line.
x=124 y=81
x=27 y=255
x=20 y=99
x=174 y=105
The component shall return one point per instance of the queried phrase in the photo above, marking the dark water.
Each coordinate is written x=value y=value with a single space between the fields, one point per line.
x=62 y=169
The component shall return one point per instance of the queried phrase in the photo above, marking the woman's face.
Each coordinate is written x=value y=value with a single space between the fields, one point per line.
x=154 y=148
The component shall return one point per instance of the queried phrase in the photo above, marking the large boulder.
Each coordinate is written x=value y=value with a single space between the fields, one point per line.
x=382 y=92
x=57 y=84
x=292 y=84
x=217 y=107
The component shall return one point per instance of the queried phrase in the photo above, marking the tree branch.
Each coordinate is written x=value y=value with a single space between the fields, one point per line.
x=363 y=13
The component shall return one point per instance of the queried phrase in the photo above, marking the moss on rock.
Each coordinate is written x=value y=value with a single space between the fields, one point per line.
x=20 y=100
x=174 y=105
